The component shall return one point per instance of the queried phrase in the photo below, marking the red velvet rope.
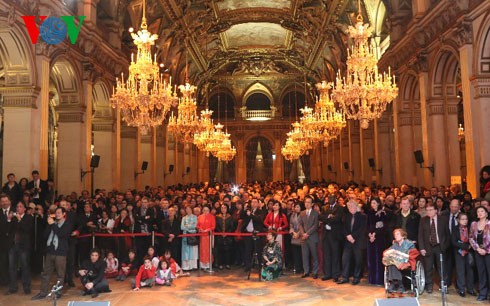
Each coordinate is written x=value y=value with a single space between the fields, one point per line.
x=182 y=235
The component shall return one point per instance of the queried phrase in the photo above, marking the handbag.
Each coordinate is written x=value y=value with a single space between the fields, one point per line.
x=193 y=240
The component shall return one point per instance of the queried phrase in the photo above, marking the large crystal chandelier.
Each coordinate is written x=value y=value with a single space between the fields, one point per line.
x=144 y=98
x=363 y=93
x=227 y=152
x=187 y=122
x=202 y=138
x=291 y=151
x=329 y=120
x=310 y=127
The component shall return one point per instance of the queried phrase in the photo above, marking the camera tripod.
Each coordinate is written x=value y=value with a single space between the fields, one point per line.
x=255 y=256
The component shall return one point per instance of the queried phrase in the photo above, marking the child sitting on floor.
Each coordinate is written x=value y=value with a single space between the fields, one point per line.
x=164 y=274
x=112 y=265
x=129 y=267
x=145 y=276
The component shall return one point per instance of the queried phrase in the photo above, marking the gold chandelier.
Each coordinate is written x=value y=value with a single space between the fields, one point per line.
x=226 y=152
x=310 y=127
x=186 y=124
x=202 y=138
x=144 y=98
x=363 y=93
x=329 y=120
x=291 y=151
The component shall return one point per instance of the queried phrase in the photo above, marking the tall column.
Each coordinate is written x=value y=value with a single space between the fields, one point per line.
x=104 y=147
x=343 y=176
x=424 y=119
x=128 y=156
x=406 y=149
x=153 y=158
x=20 y=123
x=384 y=157
x=42 y=62
x=87 y=85
x=396 y=140
x=117 y=149
x=202 y=167
x=476 y=113
x=71 y=150
x=138 y=160
x=368 y=152
x=160 y=162
x=277 y=163
x=437 y=143
x=377 y=152
x=452 y=140
x=355 y=158
x=145 y=155
x=362 y=172
x=241 y=162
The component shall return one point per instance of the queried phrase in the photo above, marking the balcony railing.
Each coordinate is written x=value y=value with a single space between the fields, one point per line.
x=258 y=115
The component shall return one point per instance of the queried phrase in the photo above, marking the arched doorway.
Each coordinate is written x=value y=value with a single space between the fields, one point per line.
x=258 y=101
x=258 y=152
x=297 y=170
x=220 y=171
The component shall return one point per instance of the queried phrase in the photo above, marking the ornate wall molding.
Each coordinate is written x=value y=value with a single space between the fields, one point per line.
x=106 y=126
x=71 y=116
x=436 y=109
x=129 y=132
x=482 y=87
x=19 y=96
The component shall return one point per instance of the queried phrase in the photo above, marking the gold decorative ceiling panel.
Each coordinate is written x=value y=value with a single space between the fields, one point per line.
x=239 y=4
x=256 y=34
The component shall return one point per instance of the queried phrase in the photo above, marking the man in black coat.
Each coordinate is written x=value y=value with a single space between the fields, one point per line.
x=355 y=233
x=433 y=241
x=92 y=275
x=332 y=230
x=407 y=219
x=171 y=229
x=38 y=189
x=20 y=247
x=12 y=189
x=4 y=238
x=57 y=234
x=253 y=222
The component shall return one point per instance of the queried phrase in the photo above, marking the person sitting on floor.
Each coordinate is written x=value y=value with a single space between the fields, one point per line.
x=92 y=275
x=129 y=267
x=400 y=256
x=173 y=265
x=164 y=274
x=272 y=255
x=112 y=265
x=145 y=276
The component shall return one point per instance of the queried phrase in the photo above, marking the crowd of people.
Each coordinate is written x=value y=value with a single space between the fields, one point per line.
x=313 y=228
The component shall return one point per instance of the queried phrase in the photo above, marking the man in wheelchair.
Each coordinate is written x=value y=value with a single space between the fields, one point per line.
x=402 y=255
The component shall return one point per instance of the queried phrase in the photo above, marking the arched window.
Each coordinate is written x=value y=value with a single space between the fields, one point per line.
x=225 y=107
x=258 y=101
x=292 y=103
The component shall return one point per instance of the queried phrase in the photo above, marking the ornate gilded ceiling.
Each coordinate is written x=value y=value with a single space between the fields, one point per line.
x=240 y=38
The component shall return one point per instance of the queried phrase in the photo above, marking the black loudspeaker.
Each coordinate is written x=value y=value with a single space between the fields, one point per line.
x=78 y=303
x=329 y=167
x=419 y=157
x=170 y=168
x=397 y=302
x=144 y=166
x=371 y=162
x=94 y=161
x=346 y=165
x=187 y=170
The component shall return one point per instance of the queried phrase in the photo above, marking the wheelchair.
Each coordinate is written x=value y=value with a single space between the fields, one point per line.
x=413 y=279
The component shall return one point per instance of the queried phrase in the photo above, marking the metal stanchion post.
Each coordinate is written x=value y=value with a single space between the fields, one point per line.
x=152 y=238
x=93 y=240
x=210 y=252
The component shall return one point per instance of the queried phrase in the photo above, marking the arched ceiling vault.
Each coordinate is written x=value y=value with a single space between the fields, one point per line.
x=249 y=38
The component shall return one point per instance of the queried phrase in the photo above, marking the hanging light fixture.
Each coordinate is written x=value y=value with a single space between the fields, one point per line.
x=202 y=138
x=363 y=93
x=186 y=124
x=144 y=98
x=329 y=120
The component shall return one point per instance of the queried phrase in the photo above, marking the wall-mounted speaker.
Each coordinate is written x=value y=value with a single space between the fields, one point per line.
x=371 y=162
x=144 y=166
x=329 y=167
x=94 y=161
x=346 y=165
x=419 y=157
x=187 y=170
x=170 y=168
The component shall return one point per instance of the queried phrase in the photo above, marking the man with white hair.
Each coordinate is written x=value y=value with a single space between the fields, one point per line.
x=355 y=233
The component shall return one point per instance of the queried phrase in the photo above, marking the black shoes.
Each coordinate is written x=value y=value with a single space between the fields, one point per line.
x=472 y=292
x=481 y=298
x=305 y=275
x=355 y=282
x=429 y=290
x=342 y=281
x=461 y=293
x=326 y=278
x=315 y=276
x=38 y=296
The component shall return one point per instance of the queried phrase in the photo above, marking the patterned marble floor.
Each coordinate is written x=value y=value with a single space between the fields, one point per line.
x=232 y=288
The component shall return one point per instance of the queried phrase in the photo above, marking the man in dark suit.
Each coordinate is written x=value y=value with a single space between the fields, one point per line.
x=433 y=241
x=4 y=238
x=308 y=231
x=253 y=221
x=144 y=220
x=170 y=227
x=12 y=189
x=451 y=215
x=331 y=216
x=355 y=233
x=20 y=246
x=407 y=219
x=38 y=189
